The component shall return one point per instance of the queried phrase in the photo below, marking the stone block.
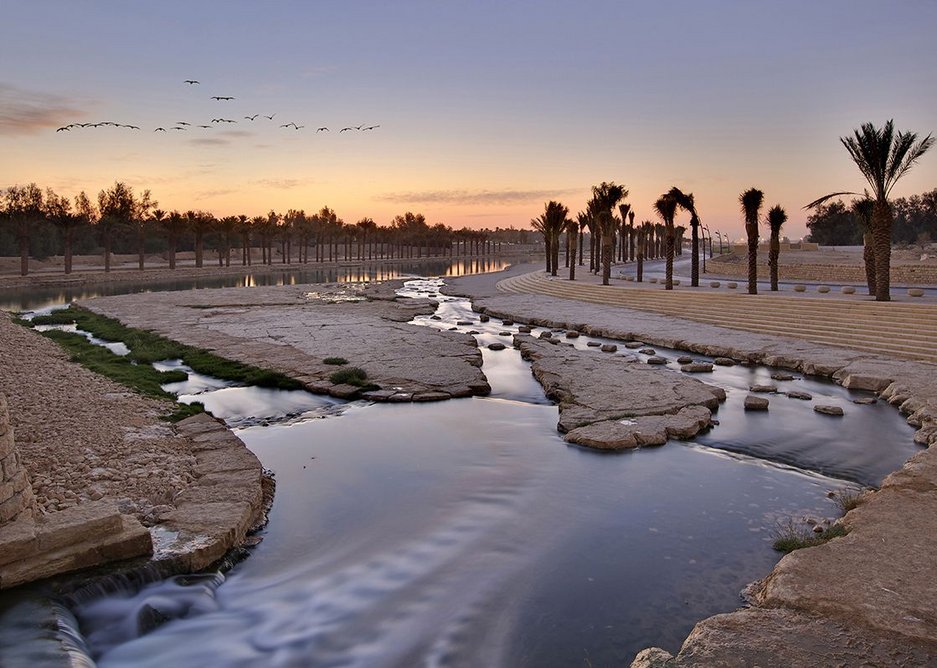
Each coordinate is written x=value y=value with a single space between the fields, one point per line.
x=233 y=459
x=11 y=508
x=753 y=403
x=17 y=540
x=6 y=443
x=20 y=481
x=75 y=524
x=6 y=491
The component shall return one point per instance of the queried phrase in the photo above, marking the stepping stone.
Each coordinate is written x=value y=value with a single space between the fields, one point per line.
x=732 y=286
x=633 y=345
x=524 y=329
x=782 y=375
x=684 y=359
x=697 y=367
x=473 y=331
x=546 y=335
x=593 y=344
x=800 y=288
x=848 y=290
x=453 y=329
x=657 y=361
x=829 y=410
x=507 y=323
x=676 y=281
x=557 y=330
x=756 y=403
x=497 y=345
x=763 y=388
x=504 y=334
x=865 y=401
x=647 y=351
x=608 y=348
x=463 y=323
x=652 y=280
x=435 y=317
x=483 y=318
x=803 y=396
x=572 y=334
x=823 y=289
x=724 y=361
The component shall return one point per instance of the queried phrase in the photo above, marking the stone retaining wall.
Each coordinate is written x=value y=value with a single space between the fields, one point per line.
x=822 y=273
x=16 y=494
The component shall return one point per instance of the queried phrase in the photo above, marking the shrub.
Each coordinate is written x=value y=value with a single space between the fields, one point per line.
x=337 y=361
x=790 y=537
x=350 y=376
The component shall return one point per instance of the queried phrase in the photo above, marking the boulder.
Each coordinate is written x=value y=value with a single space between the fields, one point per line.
x=546 y=335
x=608 y=348
x=647 y=351
x=684 y=359
x=829 y=410
x=697 y=367
x=724 y=361
x=496 y=346
x=753 y=403
x=657 y=361
x=524 y=329
x=572 y=334
x=507 y=323
x=763 y=388
x=782 y=375
x=803 y=396
x=483 y=318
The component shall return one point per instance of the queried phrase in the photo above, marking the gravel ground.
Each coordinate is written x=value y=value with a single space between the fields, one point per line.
x=82 y=436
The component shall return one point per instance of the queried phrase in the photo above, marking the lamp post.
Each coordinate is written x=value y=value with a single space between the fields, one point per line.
x=719 y=237
x=705 y=231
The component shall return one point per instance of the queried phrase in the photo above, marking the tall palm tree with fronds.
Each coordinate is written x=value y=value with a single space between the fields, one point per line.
x=631 y=236
x=551 y=224
x=686 y=202
x=605 y=197
x=751 y=201
x=585 y=220
x=624 y=209
x=666 y=207
x=883 y=156
x=776 y=218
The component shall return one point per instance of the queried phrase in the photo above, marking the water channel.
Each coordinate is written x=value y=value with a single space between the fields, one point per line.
x=467 y=533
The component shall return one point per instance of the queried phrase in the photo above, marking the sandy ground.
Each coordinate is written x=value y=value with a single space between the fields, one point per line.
x=847 y=255
x=82 y=436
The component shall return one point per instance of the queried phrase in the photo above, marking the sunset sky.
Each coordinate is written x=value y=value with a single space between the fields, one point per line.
x=486 y=109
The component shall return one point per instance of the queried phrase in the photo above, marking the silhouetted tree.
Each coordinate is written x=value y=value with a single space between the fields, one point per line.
x=666 y=207
x=776 y=218
x=751 y=201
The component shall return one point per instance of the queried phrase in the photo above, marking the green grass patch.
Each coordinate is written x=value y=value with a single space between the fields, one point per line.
x=147 y=347
x=790 y=537
x=337 y=361
x=847 y=499
x=350 y=376
x=142 y=378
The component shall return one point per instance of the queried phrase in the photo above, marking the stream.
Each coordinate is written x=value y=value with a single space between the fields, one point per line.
x=468 y=533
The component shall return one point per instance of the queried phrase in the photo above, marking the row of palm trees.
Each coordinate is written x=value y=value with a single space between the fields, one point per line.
x=120 y=212
x=882 y=155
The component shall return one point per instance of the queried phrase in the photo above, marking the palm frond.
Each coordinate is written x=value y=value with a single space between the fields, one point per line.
x=822 y=200
x=777 y=216
x=751 y=201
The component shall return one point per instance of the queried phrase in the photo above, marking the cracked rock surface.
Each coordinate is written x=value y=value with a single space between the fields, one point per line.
x=291 y=329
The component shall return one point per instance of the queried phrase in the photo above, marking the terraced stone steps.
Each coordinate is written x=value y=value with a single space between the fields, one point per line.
x=907 y=331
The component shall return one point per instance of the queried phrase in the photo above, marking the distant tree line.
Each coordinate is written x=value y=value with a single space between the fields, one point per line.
x=837 y=223
x=37 y=223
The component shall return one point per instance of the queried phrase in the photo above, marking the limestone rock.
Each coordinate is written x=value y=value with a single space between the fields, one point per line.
x=697 y=367
x=593 y=344
x=497 y=345
x=483 y=317
x=572 y=334
x=657 y=361
x=634 y=345
x=829 y=410
x=797 y=394
x=782 y=376
x=865 y=401
x=641 y=431
x=608 y=348
x=724 y=361
x=524 y=329
x=753 y=403
x=684 y=359
x=647 y=351
x=763 y=389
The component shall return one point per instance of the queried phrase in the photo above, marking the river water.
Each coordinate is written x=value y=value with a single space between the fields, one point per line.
x=467 y=533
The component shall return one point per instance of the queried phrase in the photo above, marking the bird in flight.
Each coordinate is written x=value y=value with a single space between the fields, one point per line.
x=182 y=123
x=292 y=125
x=370 y=127
x=191 y=81
x=160 y=130
x=345 y=130
x=250 y=118
x=270 y=117
x=222 y=97
x=178 y=128
x=323 y=129
x=65 y=128
x=204 y=126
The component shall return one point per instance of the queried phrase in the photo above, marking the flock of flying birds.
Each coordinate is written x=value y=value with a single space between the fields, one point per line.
x=184 y=126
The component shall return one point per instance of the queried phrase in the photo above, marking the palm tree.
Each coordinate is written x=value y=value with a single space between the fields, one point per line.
x=174 y=225
x=118 y=208
x=624 y=210
x=551 y=223
x=138 y=222
x=58 y=211
x=571 y=227
x=631 y=236
x=751 y=201
x=883 y=157
x=83 y=216
x=776 y=218
x=686 y=202
x=862 y=209
x=605 y=197
x=666 y=207
x=24 y=206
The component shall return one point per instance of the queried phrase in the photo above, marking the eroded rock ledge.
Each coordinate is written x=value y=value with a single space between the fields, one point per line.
x=292 y=329
x=613 y=403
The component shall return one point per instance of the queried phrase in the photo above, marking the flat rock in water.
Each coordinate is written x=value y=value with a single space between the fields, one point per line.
x=647 y=351
x=782 y=375
x=483 y=318
x=763 y=388
x=573 y=334
x=697 y=367
x=507 y=323
x=496 y=346
x=523 y=329
x=435 y=317
x=608 y=348
x=657 y=361
x=590 y=388
x=593 y=344
x=641 y=431
x=634 y=345
x=684 y=359
x=724 y=361
x=463 y=323
x=504 y=333
x=545 y=335
x=829 y=410
x=756 y=403
x=797 y=394
x=865 y=401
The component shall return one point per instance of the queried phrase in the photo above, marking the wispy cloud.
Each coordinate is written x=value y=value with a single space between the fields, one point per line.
x=504 y=196
x=281 y=184
x=25 y=112
x=209 y=194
